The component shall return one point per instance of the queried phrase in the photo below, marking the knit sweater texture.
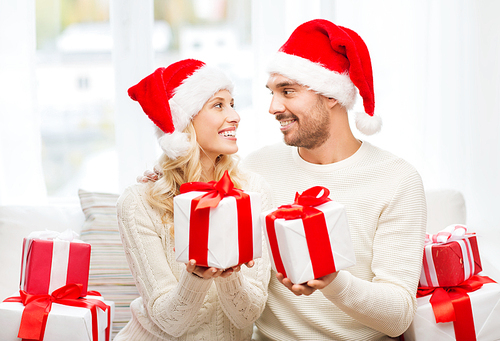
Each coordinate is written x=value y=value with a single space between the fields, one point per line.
x=386 y=211
x=177 y=305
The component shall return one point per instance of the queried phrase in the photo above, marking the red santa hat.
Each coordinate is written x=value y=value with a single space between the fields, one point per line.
x=173 y=96
x=333 y=61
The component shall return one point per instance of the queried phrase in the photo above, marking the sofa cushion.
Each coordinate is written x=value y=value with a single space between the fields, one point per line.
x=16 y=223
x=109 y=271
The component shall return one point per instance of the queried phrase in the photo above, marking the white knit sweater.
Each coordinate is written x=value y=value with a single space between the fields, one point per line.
x=386 y=211
x=174 y=304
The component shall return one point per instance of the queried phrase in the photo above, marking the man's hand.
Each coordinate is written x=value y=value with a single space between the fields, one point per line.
x=309 y=287
x=150 y=175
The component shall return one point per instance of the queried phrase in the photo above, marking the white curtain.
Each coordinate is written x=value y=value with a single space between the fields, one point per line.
x=21 y=175
x=132 y=27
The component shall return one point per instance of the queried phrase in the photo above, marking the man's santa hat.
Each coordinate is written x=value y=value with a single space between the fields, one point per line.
x=173 y=96
x=333 y=61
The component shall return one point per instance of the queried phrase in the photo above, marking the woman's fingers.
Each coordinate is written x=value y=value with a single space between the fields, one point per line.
x=210 y=272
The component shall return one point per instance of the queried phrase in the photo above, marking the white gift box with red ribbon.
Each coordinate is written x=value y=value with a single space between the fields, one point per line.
x=310 y=238
x=485 y=304
x=450 y=257
x=63 y=323
x=52 y=259
x=221 y=234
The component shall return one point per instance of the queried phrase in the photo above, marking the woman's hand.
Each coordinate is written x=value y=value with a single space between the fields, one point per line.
x=210 y=272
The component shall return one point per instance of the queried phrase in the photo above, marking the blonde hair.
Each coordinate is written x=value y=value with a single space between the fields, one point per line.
x=186 y=168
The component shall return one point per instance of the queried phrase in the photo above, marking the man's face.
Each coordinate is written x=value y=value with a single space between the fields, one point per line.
x=302 y=113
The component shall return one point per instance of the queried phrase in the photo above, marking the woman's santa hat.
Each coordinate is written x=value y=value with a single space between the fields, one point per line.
x=173 y=96
x=333 y=61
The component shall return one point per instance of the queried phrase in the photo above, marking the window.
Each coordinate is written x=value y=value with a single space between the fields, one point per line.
x=75 y=89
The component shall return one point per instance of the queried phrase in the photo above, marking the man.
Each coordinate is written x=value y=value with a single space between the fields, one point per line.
x=313 y=79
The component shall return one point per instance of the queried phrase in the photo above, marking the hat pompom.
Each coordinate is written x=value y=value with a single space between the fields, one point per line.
x=367 y=124
x=175 y=144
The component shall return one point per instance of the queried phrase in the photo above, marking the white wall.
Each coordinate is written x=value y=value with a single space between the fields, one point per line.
x=437 y=80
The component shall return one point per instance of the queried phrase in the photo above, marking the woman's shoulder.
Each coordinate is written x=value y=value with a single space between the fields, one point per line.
x=132 y=196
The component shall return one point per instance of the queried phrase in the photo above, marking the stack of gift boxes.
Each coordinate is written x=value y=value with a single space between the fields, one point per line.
x=53 y=302
x=454 y=301
x=310 y=238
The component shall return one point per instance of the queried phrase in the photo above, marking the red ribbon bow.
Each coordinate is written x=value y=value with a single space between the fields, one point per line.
x=200 y=214
x=37 y=309
x=316 y=232
x=452 y=304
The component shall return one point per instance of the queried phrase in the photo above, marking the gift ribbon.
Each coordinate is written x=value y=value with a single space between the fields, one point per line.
x=448 y=234
x=452 y=304
x=68 y=235
x=315 y=230
x=37 y=309
x=200 y=214
x=469 y=256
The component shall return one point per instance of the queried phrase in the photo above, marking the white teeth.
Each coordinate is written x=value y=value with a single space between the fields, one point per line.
x=229 y=133
x=285 y=123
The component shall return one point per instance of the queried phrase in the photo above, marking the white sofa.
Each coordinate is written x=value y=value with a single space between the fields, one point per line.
x=109 y=272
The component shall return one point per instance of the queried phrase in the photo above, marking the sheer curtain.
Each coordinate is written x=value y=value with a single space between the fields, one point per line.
x=21 y=175
x=132 y=28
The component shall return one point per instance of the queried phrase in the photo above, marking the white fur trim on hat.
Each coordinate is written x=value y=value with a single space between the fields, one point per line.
x=367 y=124
x=316 y=77
x=175 y=144
x=194 y=92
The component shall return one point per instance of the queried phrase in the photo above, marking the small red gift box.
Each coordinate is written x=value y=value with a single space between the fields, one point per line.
x=450 y=258
x=310 y=238
x=217 y=224
x=51 y=260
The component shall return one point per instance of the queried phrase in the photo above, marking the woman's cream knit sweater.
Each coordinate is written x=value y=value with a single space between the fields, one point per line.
x=177 y=305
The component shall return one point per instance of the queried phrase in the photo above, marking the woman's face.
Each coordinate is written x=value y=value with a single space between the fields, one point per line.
x=216 y=124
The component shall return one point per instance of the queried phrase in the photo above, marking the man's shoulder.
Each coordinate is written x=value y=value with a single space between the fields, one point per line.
x=385 y=160
x=267 y=151
x=270 y=158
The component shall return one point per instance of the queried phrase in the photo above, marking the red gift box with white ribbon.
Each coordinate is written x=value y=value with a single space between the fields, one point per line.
x=216 y=224
x=310 y=238
x=51 y=260
x=450 y=257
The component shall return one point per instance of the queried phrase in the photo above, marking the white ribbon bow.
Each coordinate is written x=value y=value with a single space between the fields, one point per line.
x=68 y=235
x=449 y=234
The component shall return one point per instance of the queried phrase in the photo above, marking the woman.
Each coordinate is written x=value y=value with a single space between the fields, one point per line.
x=192 y=105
